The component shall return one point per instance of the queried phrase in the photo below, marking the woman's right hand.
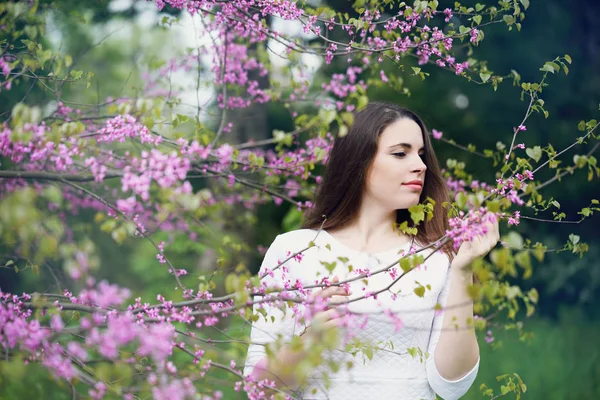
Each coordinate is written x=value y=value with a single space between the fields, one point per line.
x=332 y=316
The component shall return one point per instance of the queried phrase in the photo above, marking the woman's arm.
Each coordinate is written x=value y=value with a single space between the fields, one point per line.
x=453 y=350
x=281 y=368
x=457 y=351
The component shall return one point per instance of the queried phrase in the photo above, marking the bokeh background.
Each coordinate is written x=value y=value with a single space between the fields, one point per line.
x=561 y=357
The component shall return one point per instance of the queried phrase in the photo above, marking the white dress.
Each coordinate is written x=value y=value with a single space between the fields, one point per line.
x=390 y=373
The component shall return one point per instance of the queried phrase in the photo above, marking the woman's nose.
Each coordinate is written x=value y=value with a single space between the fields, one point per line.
x=419 y=165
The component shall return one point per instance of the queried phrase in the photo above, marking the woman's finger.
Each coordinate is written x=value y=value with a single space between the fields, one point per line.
x=327 y=314
x=332 y=323
x=339 y=299
x=325 y=317
x=328 y=292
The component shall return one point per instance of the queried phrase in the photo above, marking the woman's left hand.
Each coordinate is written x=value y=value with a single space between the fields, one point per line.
x=478 y=247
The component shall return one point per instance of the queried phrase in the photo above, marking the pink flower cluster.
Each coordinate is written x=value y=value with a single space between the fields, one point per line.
x=97 y=169
x=506 y=188
x=175 y=389
x=36 y=148
x=104 y=296
x=15 y=327
x=5 y=66
x=121 y=127
x=293 y=162
x=465 y=228
x=6 y=69
x=164 y=169
x=337 y=85
x=515 y=219
x=18 y=329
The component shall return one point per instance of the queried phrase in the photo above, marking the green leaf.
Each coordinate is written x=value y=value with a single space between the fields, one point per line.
x=484 y=77
x=44 y=56
x=550 y=67
x=477 y=19
x=509 y=19
x=535 y=153
x=327 y=116
x=461 y=199
x=568 y=58
x=514 y=239
x=525 y=3
x=417 y=213
x=574 y=238
x=343 y=130
x=538 y=251
x=412 y=351
x=76 y=74
x=405 y=264
x=420 y=291
x=348 y=118
x=330 y=266
x=523 y=260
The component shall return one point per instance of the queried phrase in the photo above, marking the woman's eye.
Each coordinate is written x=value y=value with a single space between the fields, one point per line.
x=400 y=154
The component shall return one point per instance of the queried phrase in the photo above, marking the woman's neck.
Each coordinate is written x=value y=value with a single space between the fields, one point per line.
x=371 y=233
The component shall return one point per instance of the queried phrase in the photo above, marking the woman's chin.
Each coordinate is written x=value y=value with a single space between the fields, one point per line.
x=407 y=204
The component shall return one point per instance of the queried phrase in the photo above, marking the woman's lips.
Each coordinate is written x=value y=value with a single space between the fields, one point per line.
x=414 y=186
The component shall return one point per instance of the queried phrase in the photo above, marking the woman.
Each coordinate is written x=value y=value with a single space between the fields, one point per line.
x=419 y=322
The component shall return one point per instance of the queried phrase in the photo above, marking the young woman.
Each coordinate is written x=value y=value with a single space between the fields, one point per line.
x=420 y=321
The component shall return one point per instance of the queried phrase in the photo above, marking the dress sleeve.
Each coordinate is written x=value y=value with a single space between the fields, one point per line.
x=275 y=323
x=448 y=390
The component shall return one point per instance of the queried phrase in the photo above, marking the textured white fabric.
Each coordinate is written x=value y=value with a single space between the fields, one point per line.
x=392 y=373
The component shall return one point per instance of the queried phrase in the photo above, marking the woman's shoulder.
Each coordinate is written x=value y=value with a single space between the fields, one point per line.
x=436 y=257
x=296 y=238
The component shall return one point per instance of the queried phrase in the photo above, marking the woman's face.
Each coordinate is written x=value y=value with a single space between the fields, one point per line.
x=397 y=163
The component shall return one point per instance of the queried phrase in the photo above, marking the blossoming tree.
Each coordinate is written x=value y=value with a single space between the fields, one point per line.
x=131 y=163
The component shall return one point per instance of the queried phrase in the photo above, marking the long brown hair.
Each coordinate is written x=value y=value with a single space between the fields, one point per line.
x=338 y=197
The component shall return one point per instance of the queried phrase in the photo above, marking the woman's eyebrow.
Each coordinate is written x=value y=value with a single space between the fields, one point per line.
x=407 y=145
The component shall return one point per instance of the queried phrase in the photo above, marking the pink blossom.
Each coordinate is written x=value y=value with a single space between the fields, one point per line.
x=515 y=219
x=474 y=33
x=383 y=77
x=436 y=134
x=520 y=128
x=56 y=323
x=157 y=341
x=6 y=68
x=224 y=154
x=465 y=228
x=106 y=295
x=448 y=13
x=125 y=126
x=489 y=337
